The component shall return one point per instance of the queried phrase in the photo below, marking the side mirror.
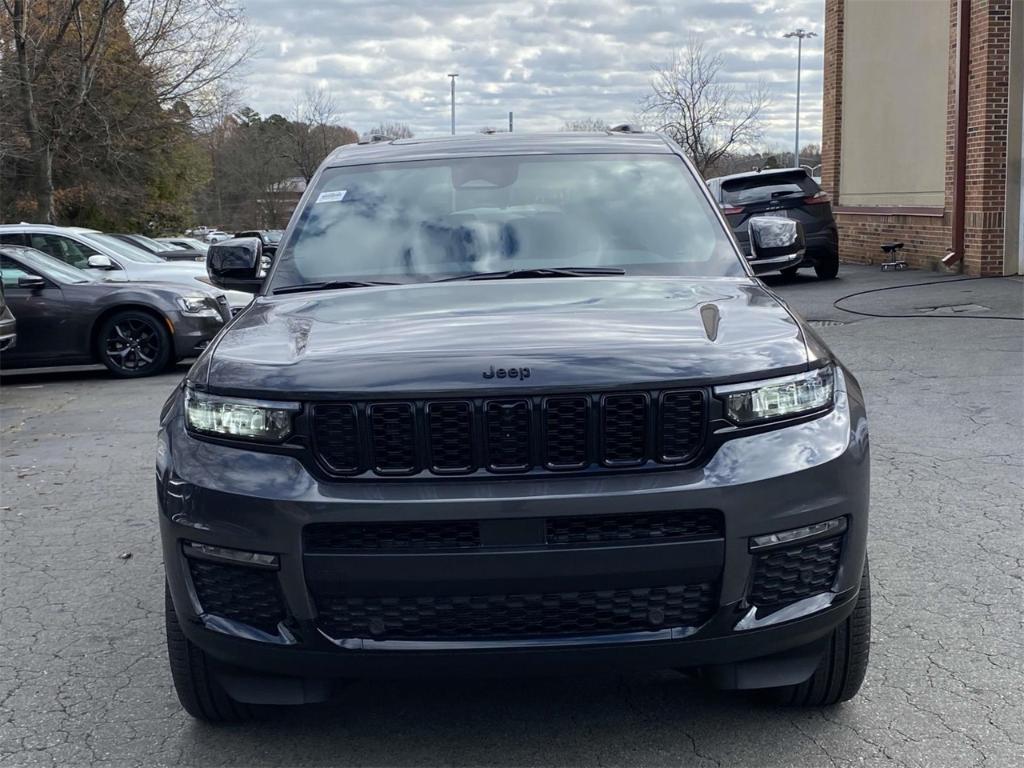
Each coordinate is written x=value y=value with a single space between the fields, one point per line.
x=775 y=243
x=99 y=261
x=234 y=264
x=32 y=282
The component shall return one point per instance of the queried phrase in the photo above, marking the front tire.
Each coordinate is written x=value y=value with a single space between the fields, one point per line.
x=132 y=344
x=198 y=690
x=841 y=670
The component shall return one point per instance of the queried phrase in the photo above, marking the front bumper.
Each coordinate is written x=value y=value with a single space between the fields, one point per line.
x=263 y=502
x=193 y=333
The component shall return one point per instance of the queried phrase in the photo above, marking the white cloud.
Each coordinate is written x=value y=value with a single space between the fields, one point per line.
x=545 y=60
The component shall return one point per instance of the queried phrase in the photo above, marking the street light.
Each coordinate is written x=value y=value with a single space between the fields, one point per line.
x=799 y=34
x=453 y=76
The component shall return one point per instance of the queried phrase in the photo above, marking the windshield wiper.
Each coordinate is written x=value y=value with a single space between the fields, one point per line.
x=526 y=274
x=328 y=285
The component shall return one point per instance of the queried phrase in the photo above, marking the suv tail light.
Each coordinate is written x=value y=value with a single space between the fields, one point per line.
x=816 y=199
x=728 y=210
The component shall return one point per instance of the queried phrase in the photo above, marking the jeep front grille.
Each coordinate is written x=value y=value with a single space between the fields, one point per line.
x=520 y=435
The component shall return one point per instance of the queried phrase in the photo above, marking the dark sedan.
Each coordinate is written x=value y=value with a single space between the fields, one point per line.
x=68 y=316
x=788 y=193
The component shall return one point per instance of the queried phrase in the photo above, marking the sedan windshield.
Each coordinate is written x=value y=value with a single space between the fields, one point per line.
x=121 y=248
x=39 y=263
x=426 y=220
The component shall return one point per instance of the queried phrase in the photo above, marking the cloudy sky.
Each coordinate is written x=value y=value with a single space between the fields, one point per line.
x=546 y=60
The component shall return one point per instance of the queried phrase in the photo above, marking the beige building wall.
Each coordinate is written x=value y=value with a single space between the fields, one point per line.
x=895 y=69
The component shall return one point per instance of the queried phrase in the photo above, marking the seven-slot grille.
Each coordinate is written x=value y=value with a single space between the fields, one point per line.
x=556 y=433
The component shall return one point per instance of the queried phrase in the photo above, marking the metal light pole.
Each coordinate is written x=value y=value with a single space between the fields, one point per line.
x=799 y=34
x=453 y=76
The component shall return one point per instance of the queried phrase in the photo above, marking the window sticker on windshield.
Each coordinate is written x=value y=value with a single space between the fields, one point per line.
x=334 y=196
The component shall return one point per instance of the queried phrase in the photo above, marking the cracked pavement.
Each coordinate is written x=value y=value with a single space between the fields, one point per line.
x=83 y=670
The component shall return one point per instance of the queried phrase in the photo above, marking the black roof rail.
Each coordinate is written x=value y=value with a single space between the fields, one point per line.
x=625 y=128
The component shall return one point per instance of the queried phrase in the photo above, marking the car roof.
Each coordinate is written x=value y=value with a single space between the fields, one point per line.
x=489 y=144
x=27 y=226
x=762 y=173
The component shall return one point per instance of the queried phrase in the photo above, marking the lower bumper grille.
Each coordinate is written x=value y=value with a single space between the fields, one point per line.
x=786 y=575
x=508 y=616
x=570 y=530
x=248 y=595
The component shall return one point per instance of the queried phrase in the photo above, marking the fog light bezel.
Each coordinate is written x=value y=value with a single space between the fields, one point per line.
x=803 y=534
x=262 y=560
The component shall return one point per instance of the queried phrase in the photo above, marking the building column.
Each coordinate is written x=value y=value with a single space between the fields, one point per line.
x=832 y=99
x=987 y=133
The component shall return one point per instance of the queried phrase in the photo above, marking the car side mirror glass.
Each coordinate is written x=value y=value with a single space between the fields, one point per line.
x=775 y=243
x=31 y=282
x=235 y=264
x=99 y=261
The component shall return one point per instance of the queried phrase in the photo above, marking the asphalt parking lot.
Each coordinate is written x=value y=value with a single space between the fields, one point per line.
x=83 y=670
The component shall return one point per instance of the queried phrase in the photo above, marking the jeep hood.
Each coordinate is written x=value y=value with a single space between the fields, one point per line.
x=442 y=337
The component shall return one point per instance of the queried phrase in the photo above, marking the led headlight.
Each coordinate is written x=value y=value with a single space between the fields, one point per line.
x=198 y=305
x=769 y=399
x=258 y=420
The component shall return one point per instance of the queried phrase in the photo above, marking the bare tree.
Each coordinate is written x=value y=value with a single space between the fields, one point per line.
x=394 y=130
x=313 y=132
x=55 y=52
x=706 y=116
x=585 y=124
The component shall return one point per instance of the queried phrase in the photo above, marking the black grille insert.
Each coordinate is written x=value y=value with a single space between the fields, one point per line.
x=450 y=436
x=249 y=595
x=336 y=436
x=353 y=537
x=625 y=429
x=566 y=432
x=508 y=616
x=392 y=429
x=553 y=433
x=508 y=435
x=682 y=425
x=786 y=575
x=598 y=529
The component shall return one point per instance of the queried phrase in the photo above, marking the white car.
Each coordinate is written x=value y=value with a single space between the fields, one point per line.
x=216 y=236
x=95 y=251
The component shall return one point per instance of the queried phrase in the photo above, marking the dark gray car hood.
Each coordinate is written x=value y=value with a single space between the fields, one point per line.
x=569 y=332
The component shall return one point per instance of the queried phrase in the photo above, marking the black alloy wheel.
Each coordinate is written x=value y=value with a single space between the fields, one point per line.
x=133 y=344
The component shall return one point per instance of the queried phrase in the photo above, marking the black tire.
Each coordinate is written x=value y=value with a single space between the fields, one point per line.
x=198 y=690
x=842 y=668
x=827 y=265
x=133 y=343
x=789 y=271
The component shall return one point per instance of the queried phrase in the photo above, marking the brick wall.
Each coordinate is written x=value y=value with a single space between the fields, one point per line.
x=927 y=238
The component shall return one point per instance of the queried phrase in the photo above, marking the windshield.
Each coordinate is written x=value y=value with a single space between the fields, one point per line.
x=121 y=248
x=423 y=220
x=40 y=263
x=152 y=244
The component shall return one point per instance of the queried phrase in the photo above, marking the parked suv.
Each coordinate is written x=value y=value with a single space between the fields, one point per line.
x=785 y=192
x=512 y=402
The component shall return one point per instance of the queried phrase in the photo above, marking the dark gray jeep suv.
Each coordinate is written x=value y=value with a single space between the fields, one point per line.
x=508 y=403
